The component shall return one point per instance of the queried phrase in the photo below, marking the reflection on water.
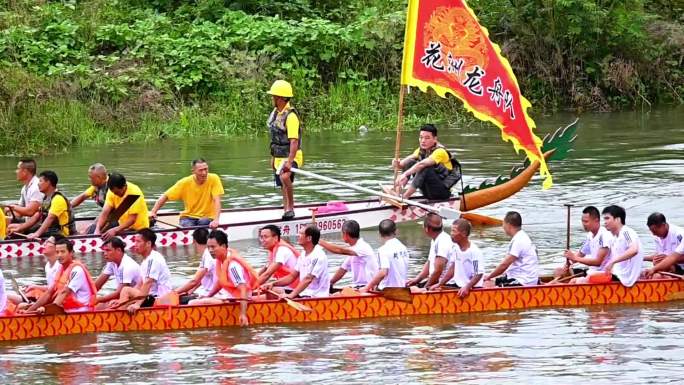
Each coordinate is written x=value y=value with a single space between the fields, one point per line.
x=625 y=158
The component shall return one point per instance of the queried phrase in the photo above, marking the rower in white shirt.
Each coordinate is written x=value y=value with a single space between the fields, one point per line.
x=520 y=267
x=123 y=268
x=52 y=268
x=361 y=256
x=312 y=269
x=466 y=262
x=393 y=259
x=595 y=251
x=440 y=249
x=669 y=242
x=156 y=277
x=626 y=254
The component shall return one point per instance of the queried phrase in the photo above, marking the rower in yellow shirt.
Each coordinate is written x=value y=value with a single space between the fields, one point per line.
x=286 y=142
x=97 y=173
x=56 y=216
x=201 y=194
x=135 y=218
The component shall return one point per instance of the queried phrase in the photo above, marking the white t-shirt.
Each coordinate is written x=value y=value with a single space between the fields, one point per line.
x=52 y=272
x=3 y=296
x=126 y=273
x=439 y=247
x=30 y=193
x=394 y=257
x=315 y=264
x=154 y=266
x=627 y=271
x=78 y=283
x=207 y=283
x=363 y=265
x=467 y=264
x=594 y=243
x=525 y=268
x=673 y=241
x=286 y=257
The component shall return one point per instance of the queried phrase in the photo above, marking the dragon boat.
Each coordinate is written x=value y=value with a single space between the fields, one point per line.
x=241 y=224
x=21 y=327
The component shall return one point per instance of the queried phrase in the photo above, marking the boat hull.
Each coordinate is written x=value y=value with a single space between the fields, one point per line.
x=241 y=224
x=337 y=308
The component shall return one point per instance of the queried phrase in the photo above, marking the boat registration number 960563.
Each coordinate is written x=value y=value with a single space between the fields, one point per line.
x=325 y=225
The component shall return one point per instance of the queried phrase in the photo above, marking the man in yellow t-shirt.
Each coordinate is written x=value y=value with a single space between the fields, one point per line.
x=135 y=218
x=97 y=173
x=286 y=142
x=56 y=216
x=433 y=168
x=201 y=194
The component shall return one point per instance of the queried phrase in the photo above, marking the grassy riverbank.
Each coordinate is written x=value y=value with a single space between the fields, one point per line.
x=97 y=71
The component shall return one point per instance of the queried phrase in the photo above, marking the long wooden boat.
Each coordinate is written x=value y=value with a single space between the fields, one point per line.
x=244 y=223
x=339 y=308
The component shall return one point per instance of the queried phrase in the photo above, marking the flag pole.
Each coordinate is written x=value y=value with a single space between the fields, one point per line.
x=400 y=126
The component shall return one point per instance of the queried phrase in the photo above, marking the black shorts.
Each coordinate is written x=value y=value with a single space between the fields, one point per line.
x=148 y=301
x=451 y=286
x=582 y=271
x=506 y=282
x=678 y=269
x=276 y=177
x=185 y=298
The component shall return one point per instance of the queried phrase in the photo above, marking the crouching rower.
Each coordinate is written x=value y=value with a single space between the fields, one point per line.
x=234 y=275
x=520 y=267
x=626 y=254
x=7 y=307
x=393 y=259
x=282 y=256
x=438 y=258
x=156 y=277
x=360 y=256
x=466 y=265
x=205 y=277
x=669 y=241
x=125 y=270
x=595 y=251
x=74 y=289
x=52 y=268
x=312 y=269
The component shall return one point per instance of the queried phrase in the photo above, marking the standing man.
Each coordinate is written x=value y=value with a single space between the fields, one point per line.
x=282 y=256
x=30 y=200
x=97 y=173
x=669 y=241
x=135 y=218
x=626 y=254
x=125 y=270
x=440 y=249
x=433 y=167
x=595 y=251
x=286 y=142
x=520 y=267
x=393 y=259
x=201 y=195
x=360 y=259
x=466 y=265
x=55 y=213
x=312 y=269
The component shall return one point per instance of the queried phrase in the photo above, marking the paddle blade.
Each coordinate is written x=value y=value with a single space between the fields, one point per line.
x=298 y=306
x=401 y=294
x=449 y=213
x=52 y=309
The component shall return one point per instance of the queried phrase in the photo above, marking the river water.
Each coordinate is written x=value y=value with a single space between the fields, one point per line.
x=632 y=159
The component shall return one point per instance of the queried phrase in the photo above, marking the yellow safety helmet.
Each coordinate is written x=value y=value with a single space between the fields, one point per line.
x=281 y=88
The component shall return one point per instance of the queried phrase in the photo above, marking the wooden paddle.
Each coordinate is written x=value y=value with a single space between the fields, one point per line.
x=445 y=212
x=296 y=305
x=400 y=294
x=15 y=287
x=167 y=223
x=116 y=213
x=566 y=278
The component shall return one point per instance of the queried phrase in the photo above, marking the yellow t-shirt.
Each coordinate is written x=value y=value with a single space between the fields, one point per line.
x=59 y=208
x=440 y=156
x=292 y=125
x=198 y=199
x=89 y=192
x=139 y=207
x=3 y=225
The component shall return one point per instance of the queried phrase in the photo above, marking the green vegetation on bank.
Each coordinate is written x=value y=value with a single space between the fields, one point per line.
x=95 y=71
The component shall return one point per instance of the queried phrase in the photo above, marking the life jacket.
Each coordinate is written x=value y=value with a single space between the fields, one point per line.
x=449 y=177
x=100 y=195
x=280 y=144
x=226 y=283
x=63 y=280
x=55 y=227
x=283 y=271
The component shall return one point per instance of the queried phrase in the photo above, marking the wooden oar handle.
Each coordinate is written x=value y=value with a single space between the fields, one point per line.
x=673 y=275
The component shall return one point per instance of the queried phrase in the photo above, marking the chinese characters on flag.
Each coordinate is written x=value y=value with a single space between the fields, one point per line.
x=446 y=49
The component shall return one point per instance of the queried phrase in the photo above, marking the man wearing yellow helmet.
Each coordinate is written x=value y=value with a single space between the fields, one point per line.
x=286 y=142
